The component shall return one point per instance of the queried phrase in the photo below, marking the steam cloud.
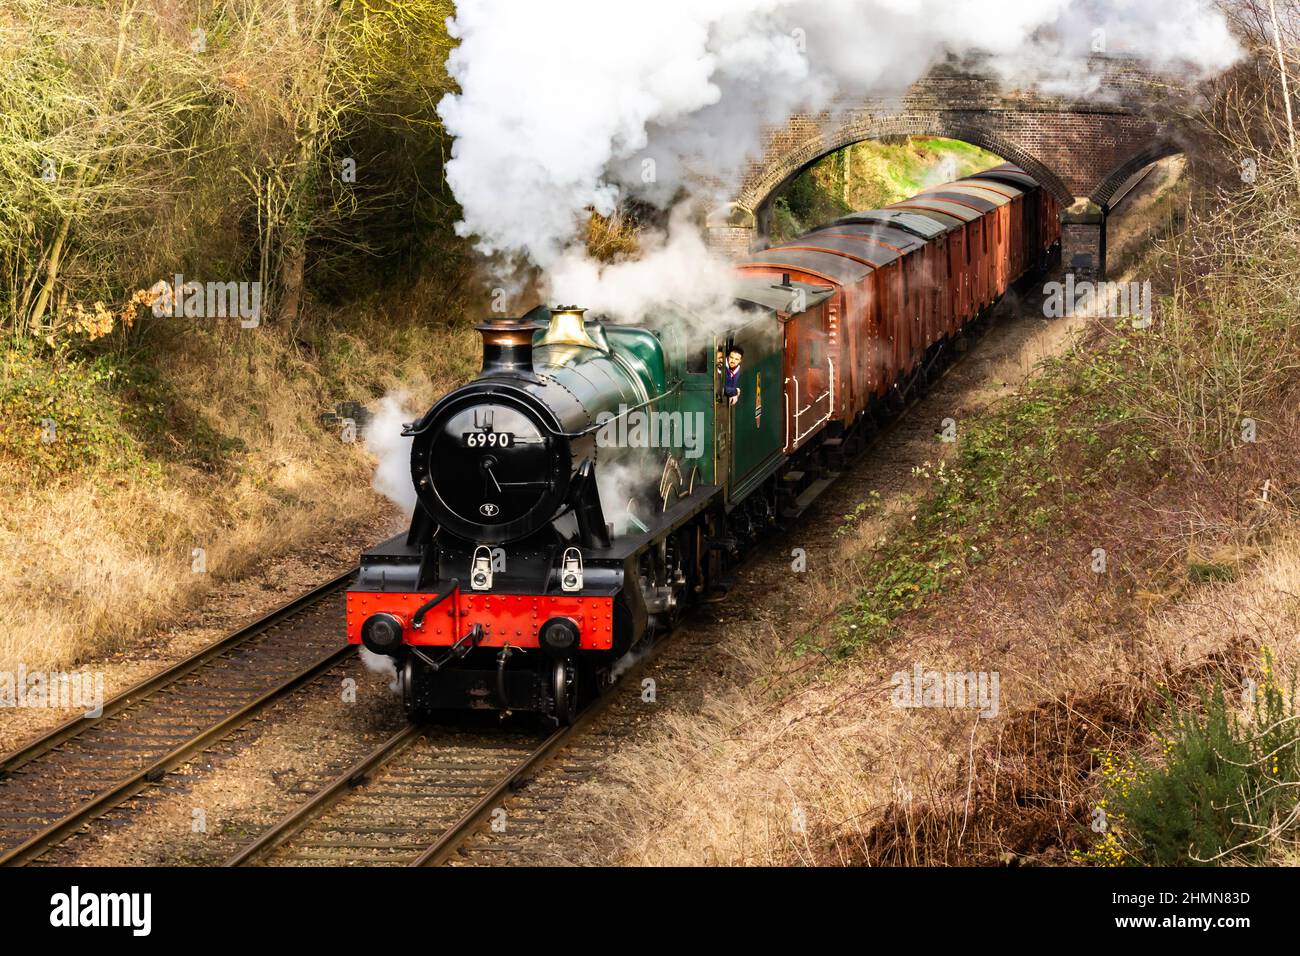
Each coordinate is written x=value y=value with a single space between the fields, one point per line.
x=381 y=664
x=572 y=105
x=384 y=439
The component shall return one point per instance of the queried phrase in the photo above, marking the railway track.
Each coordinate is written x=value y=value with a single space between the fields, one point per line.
x=419 y=795
x=532 y=824
x=55 y=785
x=414 y=800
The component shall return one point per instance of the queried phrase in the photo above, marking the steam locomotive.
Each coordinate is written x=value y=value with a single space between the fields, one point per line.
x=595 y=479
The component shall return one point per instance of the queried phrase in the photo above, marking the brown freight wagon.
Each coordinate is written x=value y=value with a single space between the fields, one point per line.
x=902 y=282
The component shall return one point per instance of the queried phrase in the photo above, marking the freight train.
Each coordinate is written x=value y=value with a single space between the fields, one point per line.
x=597 y=478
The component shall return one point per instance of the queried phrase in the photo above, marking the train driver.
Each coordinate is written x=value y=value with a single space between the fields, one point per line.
x=731 y=381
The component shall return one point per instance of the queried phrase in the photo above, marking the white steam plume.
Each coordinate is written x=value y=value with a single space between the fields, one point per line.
x=674 y=266
x=572 y=105
x=944 y=171
x=381 y=664
x=384 y=439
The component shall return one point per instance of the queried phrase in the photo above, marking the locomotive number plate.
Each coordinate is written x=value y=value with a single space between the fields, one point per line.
x=488 y=439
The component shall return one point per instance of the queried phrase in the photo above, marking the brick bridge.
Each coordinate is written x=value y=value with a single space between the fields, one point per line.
x=1082 y=150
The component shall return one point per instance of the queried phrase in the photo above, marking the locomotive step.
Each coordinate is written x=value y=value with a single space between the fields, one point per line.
x=810 y=495
x=722 y=583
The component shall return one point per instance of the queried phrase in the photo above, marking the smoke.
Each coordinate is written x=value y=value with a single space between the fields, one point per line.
x=381 y=664
x=384 y=439
x=629 y=660
x=628 y=489
x=575 y=105
x=1187 y=38
x=674 y=266
x=944 y=171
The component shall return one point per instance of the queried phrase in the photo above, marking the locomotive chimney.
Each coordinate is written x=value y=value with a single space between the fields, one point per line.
x=507 y=345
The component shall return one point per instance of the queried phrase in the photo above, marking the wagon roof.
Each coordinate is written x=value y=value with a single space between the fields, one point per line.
x=1002 y=189
x=836 y=267
x=1008 y=173
x=878 y=234
x=847 y=244
x=947 y=221
x=911 y=222
x=761 y=291
x=980 y=199
x=988 y=187
x=925 y=202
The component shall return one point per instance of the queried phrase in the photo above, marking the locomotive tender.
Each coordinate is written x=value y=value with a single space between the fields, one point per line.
x=539 y=554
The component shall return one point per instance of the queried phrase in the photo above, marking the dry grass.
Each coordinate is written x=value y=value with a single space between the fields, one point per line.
x=94 y=561
x=876 y=784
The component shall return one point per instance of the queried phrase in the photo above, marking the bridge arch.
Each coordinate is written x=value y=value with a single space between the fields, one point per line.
x=1121 y=174
x=759 y=192
x=1081 y=149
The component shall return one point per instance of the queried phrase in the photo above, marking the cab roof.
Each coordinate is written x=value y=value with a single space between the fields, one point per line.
x=761 y=291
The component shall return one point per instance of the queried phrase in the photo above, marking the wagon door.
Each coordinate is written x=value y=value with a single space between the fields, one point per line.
x=809 y=402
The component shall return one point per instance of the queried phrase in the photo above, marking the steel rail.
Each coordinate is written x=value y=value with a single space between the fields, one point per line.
x=102 y=802
x=133 y=783
x=137 y=692
x=349 y=780
x=453 y=836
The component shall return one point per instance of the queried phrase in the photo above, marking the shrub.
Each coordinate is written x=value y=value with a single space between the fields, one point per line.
x=1221 y=790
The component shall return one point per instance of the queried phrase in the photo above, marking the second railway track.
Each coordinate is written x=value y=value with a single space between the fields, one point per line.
x=58 y=783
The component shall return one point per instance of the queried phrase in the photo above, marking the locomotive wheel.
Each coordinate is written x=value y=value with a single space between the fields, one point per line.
x=409 y=676
x=676 y=574
x=564 y=692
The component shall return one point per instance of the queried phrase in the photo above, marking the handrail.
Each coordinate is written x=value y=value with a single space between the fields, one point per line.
x=828 y=395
